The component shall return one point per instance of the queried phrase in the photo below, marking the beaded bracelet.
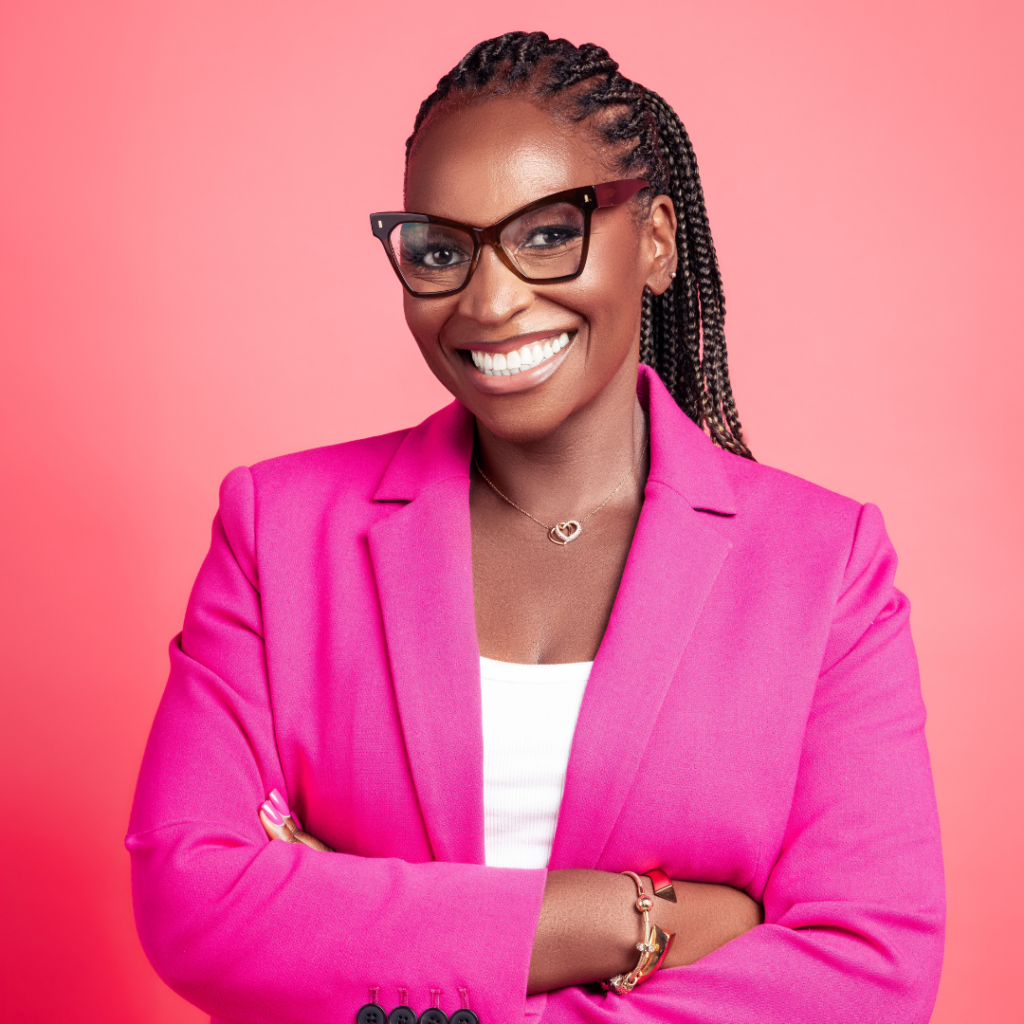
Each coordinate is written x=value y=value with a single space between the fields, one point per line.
x=655 y=945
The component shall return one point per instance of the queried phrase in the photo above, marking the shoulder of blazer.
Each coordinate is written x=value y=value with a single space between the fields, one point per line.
x=752 y=503
x=760 y=488
x=712 y=479
x=357 y=469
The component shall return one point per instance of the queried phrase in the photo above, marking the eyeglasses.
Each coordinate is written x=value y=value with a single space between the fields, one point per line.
x=544 y=241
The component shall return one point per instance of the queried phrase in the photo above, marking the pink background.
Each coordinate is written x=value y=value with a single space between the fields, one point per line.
x=188 y=283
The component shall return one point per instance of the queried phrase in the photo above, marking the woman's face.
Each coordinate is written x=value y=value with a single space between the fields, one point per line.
x=478 y=164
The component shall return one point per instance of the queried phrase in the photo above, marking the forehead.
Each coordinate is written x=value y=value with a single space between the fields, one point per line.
x=477 y=163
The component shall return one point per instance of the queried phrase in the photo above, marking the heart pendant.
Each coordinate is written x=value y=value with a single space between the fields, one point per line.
x=563 y=533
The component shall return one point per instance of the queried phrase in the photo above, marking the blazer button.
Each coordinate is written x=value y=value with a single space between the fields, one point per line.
x=371 y=1013
x=464 y=1017
x=402 y=1015
x=433 y=1016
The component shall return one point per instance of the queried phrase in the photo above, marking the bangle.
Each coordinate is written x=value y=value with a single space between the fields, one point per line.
x=655 y=945
x=662 y=884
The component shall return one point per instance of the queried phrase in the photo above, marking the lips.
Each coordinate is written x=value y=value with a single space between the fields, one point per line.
x=508 y=364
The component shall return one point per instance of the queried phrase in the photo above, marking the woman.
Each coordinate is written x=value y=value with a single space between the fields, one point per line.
x=574 y=575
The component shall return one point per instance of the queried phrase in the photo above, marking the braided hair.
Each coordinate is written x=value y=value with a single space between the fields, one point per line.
x=682 y=332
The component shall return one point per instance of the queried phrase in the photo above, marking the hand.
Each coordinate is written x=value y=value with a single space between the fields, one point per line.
x=705 y=917
x=279 y=823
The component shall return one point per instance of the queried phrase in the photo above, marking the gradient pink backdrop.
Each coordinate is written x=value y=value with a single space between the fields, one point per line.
x=188 y=283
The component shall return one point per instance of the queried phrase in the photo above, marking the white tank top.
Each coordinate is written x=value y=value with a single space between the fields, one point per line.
x=529 y=717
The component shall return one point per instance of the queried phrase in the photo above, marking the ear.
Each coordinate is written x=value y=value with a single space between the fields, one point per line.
x=660 y=231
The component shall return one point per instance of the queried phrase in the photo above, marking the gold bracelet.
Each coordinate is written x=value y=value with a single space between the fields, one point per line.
x=653 y=949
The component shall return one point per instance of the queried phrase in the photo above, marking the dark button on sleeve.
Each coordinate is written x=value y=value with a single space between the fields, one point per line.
x=402 y=1015
x=371 y=1013
x=464 y=1017
x=433 y=1016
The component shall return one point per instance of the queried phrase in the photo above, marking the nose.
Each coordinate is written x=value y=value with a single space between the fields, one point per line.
x=494 y=294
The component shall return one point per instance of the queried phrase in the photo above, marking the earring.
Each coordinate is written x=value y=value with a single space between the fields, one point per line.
x=673 y=275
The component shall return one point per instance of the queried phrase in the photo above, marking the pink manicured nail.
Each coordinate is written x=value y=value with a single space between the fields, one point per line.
x=271 y=812
x=278 y=802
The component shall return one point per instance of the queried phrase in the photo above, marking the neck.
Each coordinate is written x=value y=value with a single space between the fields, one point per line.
x=574 y=468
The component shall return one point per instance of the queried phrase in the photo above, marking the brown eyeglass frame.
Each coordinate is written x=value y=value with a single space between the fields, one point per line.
x=587 y=199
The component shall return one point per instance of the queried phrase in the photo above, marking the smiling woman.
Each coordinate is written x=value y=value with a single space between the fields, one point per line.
x=669 y=767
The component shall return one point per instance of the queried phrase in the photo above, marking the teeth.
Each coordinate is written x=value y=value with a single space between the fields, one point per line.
x=506 y=364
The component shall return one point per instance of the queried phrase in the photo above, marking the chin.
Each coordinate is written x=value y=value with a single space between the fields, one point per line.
x=520 y=429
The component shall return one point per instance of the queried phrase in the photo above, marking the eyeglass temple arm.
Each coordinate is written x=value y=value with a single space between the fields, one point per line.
x=615 y=193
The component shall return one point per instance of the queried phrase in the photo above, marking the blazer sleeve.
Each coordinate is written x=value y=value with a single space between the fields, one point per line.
x=257 y=931
x=854 y=904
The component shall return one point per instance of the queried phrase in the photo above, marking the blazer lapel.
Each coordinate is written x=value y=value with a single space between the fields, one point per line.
x=422 y=559
x=674 y=560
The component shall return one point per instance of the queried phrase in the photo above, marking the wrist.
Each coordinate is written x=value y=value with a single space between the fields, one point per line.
x=654 y=945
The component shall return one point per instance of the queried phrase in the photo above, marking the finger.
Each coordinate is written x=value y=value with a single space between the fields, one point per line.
x=279 y=802
x=274 y=825
x=312 y=842
x=286 y=825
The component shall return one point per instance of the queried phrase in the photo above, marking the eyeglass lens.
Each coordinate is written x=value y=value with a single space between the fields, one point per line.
x=543 y=244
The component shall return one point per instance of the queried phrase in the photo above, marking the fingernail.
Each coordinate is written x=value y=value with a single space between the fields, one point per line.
x=271 y=812
x=278 y=802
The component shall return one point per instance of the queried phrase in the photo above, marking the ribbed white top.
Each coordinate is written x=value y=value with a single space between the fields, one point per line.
x=529 y=717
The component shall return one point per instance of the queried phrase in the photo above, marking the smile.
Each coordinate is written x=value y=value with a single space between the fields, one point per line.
x=507 y=364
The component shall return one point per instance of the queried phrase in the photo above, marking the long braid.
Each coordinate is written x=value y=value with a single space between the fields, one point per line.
x=646 y=329
x=682 y=331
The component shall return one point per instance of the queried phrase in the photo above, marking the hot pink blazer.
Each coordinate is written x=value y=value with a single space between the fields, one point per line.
x=753 y=717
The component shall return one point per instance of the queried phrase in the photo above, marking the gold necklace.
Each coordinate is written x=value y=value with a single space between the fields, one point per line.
x=564 y=533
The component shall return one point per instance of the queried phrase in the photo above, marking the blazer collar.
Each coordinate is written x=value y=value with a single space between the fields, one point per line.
x=682 y=457
x=422 y=559
x=436 y=450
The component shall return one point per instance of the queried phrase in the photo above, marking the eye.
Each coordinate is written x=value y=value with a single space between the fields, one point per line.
x=423 y=248
x=440 y=258
x=444 y=256
x=550 y=236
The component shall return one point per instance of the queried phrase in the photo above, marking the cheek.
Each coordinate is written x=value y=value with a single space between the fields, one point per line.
x=425 y=320
x=613 y=273
x=610 y=294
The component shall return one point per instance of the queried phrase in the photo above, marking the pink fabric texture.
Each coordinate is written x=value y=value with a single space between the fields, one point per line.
x=329 y=650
